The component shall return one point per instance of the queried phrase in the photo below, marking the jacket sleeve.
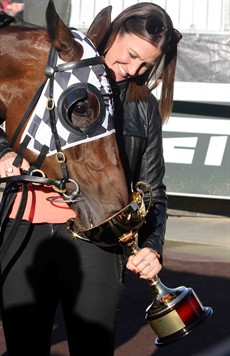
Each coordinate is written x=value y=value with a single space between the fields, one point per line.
x=145 y=150
x=4 y=144
x=152 y=171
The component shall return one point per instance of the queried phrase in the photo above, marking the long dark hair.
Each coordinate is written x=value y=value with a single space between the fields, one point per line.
x=151 y=23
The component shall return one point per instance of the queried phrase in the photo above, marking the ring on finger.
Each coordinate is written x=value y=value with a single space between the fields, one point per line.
x=146 y=263
x=9 y=170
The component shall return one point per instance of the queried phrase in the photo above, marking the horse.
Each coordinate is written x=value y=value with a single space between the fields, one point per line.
x=90 y=172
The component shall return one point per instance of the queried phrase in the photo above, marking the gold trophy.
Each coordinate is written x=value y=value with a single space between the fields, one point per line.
x=174 y=313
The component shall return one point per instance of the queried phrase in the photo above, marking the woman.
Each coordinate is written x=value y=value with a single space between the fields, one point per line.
x=140 y=51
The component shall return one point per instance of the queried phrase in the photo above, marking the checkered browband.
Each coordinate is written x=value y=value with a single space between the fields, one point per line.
x=38 y=129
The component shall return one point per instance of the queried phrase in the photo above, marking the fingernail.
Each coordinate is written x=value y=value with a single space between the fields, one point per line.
x=135 y=271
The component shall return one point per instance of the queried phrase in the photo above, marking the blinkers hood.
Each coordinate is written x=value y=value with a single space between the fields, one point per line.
x=71 y=86
x=74 y=94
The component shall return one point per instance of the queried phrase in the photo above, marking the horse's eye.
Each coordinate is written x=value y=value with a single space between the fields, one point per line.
x=80 y=109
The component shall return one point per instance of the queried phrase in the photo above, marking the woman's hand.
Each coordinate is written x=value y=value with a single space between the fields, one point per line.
x=6 y=165
x=146 y=262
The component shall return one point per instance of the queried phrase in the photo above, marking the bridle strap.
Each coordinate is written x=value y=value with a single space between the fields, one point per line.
x=5 y=246
x=79 y=64
x=26 y=115
x=58 y=183
x=51 y=108
x=42 y=155
x=18 y=159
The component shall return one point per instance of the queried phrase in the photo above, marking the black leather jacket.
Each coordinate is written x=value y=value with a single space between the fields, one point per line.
x=139 y=134
x=139 y=131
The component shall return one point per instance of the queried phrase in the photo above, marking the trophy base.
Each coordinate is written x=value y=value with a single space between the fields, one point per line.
x=176 y=314
x=162 y=341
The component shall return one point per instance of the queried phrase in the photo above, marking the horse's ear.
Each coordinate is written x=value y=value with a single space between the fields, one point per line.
x=60 y=36
x=100 y=26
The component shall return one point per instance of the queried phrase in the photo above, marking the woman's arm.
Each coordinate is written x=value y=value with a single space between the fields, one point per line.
x=145 y=151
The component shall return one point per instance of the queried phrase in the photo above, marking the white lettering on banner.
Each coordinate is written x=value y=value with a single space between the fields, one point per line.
x=215 y=151
x=174 y=153
x=182 y=149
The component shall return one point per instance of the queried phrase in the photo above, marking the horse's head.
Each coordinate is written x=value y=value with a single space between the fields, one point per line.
x=80 y=103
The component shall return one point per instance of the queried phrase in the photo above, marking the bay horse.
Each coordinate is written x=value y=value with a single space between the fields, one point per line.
x=92 y=168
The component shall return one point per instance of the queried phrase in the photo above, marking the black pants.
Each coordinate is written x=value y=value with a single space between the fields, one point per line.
x=44 y=267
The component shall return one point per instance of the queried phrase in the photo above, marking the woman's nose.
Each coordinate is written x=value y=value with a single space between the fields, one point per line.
x=134 y=68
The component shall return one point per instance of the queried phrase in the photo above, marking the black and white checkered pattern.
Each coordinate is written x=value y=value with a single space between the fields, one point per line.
x=38 y=127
